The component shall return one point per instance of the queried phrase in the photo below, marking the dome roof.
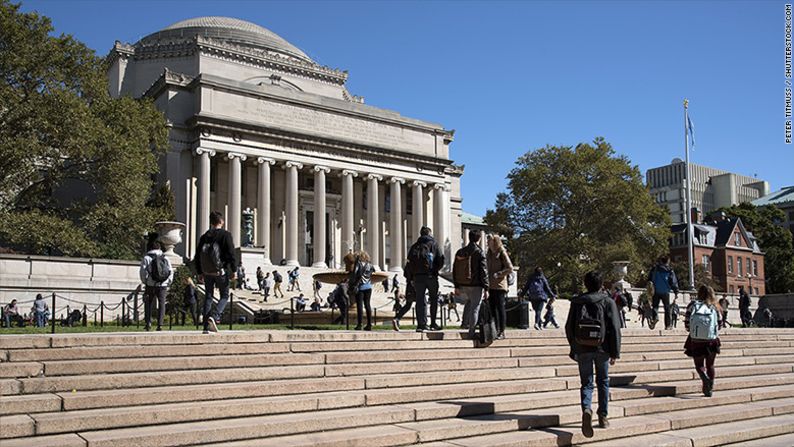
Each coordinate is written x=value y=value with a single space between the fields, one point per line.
x=231 y=29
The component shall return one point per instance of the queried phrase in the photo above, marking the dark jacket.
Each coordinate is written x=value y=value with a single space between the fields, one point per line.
x=611 y=343
x=744 y=300
x=360 y=275
x=663 y=278
x=479 y=268
x=190 y=294
x=438 y=258
x=545 y=287
x=224 y=240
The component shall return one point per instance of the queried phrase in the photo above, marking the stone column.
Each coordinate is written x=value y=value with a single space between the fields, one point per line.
x=263 y=207
x=439 y=211
x=373 y=219
x=396 y=230
x=418 y=207
x=291 y=218
x=348 y=230
x=235 y=195
x=319 y=216
x=203 y=220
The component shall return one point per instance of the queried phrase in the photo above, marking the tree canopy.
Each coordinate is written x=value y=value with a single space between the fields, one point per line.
x=78 y=166
x=775 y=241
x=571 y=209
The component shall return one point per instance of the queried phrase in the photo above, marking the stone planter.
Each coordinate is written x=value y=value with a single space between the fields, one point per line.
x=621 y=270
x=170 y=234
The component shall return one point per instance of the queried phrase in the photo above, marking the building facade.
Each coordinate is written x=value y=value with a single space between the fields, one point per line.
x=783 y=199
x=727 y=251
x=711 y=188
x=303 y=170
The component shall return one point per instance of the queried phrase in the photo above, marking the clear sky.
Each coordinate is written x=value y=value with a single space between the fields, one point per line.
x=514 y=76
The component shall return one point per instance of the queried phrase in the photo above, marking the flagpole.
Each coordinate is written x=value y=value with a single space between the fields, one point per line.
x=689 y=223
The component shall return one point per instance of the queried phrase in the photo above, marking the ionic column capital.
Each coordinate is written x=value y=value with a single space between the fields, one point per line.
x=202 y=151
x=377 y=177
x=399 y=180
x=265 y=160
x=416 y=183
x=233 y=155
x=441 y=186
x=319 y=168
x=349 y=172
x=293 y=164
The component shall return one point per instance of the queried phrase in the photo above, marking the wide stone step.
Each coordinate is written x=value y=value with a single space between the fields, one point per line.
x=380 y=436
x=774 y=441
x=727 y=433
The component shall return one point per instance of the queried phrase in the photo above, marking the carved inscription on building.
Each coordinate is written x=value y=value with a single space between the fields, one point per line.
x=324 y=124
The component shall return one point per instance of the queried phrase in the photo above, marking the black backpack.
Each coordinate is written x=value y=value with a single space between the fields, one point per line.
x=210 y=258
x=420 y=257
x=277 y=277
x=159 y=270
x=590 y=327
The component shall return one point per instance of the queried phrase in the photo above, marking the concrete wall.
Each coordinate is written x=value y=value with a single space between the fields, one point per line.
x=81 y=280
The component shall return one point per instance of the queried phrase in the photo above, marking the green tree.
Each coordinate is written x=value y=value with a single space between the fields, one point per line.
x=77 y=164
x=572 y=209
x=702 y=276
x=774 y=240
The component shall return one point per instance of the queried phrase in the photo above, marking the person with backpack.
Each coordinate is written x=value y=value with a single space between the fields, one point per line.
x=703 y=344
x=664 y=281
x=425 y=260
x=359 y=285
x=277 y=280
x=538 y=290
x=156 y=274
x=744 y=307
x=470 y=276
x=593 y=333
x=339 y=300
x=216 y=266
x=500 y=268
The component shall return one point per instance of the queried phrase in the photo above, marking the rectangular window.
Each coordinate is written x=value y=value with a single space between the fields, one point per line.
x=730 y=264
x=756 y=291
x=749 y=267
x=755 y=268
x=739 y=269
x=706 y=262
x=737 y=239
x=731 y=289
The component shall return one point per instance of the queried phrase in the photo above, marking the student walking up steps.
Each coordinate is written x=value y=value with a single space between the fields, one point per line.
x=702 y=320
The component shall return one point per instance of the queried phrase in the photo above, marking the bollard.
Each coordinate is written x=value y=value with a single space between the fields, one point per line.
x=292 y=313
x=53 y=313
x=375 y=316
x=347 y=314
x=85 y=315
x=332 y=315
x=231 y=311
x=94 y=317
x=101 y=314
x=413 y=316
x=170 y=320
x=135 y=310
x=123 y=312
x=443 y=318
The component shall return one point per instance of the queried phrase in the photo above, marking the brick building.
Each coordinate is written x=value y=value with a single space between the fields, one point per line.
x=726 y=250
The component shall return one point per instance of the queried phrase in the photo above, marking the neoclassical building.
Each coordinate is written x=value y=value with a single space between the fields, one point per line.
x=261 y=132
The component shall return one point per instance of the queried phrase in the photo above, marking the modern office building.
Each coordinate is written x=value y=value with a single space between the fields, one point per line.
x=783 y=199
x=711 y=188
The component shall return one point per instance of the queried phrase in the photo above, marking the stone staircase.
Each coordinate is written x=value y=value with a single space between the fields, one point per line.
x=294 y=388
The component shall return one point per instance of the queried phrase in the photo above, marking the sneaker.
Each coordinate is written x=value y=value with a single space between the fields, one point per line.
x=603 y=421
x=537 y=328
x=556 y=326
x=368 y=328
x=464 y=327
x=421 y=329
x=395 y=324
x=212 y=326
x=205 y=331
x=434 y=327
x=159 y=329
x=587 y=423
x=147 y=328
x=357 y=328
x=501 y=336
x=708 y=387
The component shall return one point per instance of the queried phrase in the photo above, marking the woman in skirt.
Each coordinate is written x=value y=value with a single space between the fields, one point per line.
x=702 y=321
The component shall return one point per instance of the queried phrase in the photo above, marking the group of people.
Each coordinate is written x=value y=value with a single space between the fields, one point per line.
x=39 y=313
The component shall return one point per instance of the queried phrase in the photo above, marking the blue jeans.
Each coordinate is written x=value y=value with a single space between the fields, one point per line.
x=210 y=283
x=601 y=361
x=41 y=318
x=537 y=306
x=422 y=284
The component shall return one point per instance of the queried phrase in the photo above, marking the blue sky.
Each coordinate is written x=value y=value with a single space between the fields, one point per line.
x=514 y=76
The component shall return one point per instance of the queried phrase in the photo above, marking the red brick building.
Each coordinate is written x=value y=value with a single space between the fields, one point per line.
x=727 y=251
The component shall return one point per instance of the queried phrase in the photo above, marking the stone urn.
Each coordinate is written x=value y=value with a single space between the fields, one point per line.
x=170 y=234
x=621 y=270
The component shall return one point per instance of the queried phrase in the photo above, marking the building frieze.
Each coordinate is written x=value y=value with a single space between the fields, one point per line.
x=310 y=144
